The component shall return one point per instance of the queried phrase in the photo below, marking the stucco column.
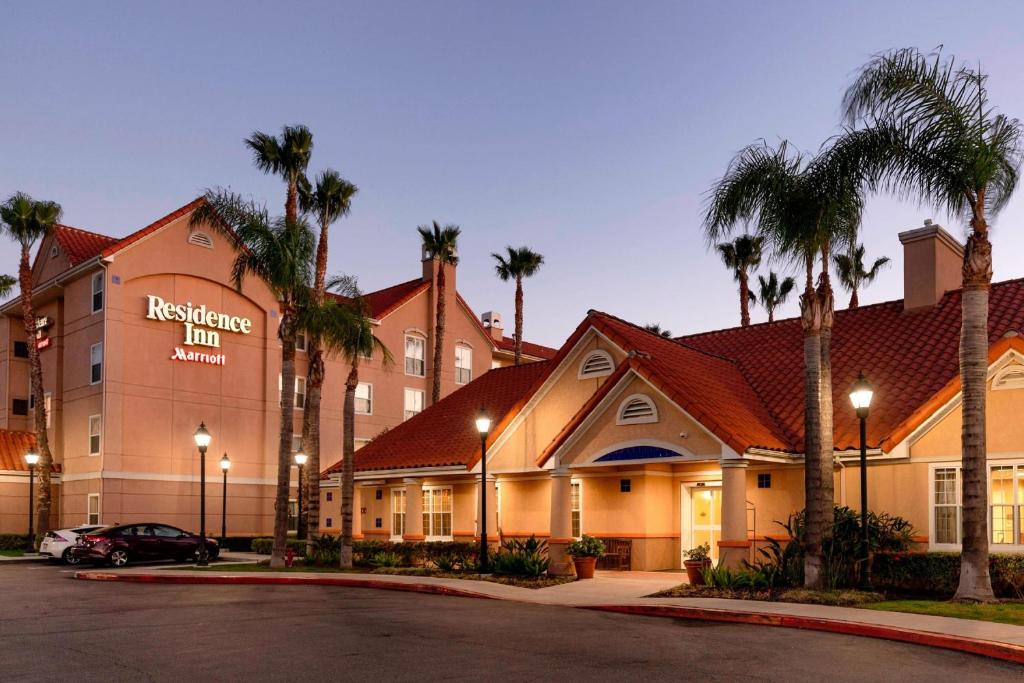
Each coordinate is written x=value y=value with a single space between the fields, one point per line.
x=735 y=545
x=413 y=510
x=561 y=524
x=492 y=510
x=357 y=511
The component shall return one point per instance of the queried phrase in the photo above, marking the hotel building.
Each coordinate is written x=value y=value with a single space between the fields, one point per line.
x=664 y=444
x=143 y=337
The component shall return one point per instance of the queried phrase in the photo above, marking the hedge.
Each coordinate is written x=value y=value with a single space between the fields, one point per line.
x=13 y=541
x=263 y=546
x=937 y=574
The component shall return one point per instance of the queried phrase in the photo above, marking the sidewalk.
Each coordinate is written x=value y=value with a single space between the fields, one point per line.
x=625 y=593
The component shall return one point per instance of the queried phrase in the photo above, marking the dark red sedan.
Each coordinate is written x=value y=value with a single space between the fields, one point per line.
x=125 y=543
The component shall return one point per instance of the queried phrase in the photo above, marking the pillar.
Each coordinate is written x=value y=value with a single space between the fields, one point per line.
x=491 y=491
x=561 y=524
x=413 y=510
x=734 y=547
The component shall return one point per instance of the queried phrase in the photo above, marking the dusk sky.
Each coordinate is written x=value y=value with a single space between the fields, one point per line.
x=589 y=131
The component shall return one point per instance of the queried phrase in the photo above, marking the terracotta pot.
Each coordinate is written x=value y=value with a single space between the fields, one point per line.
x=694 y=571
x=584 y=566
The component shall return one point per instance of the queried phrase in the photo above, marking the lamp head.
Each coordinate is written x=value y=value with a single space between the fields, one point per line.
x=202 y=437
x=483 y=422
x=31 y=458
x=301 y=458
x=860 y=395
x=225 y=462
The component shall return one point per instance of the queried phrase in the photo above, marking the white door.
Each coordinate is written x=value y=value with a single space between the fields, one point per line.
x=701 y=517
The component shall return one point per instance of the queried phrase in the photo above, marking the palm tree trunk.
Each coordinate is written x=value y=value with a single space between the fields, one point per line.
x=311 y=440
x=45 y=465
x=744 y=299
x=975 y=582
x=771 y=314
x=519 y=320
x=284 y=450
x=291 y=202
x=854 y=302
x=348 y=465
x=826 y=494
x=435 y=393
x=810 y=318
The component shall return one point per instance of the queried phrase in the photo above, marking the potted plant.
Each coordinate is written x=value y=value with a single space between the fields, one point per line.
x=584 y=554
x=697 y=560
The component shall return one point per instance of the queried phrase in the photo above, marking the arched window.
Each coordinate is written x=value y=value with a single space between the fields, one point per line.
x=200 y=239
x=637 y=409
x=596 y=364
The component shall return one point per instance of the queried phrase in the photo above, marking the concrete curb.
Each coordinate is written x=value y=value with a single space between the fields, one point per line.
x=986 y=648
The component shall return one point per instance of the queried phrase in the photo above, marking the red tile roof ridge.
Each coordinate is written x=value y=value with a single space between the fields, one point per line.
x=673 y=340
x=131 y=238
x=65 y=226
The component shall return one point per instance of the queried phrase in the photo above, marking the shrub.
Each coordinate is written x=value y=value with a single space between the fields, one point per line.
x=235 y=543
x=326 y=551
x=263 y=546
x=937 y=574
x=521 y=558
x=749 y=578
x=588 y=546
x=386 y=559
x=13 y=541
x=699 y=554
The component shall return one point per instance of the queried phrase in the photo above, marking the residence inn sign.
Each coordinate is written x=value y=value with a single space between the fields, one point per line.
x=201 y=327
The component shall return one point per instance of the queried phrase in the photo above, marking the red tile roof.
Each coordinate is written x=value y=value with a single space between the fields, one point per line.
x=13 y=447
x=529 y=348
x=153 y=227
x=445 y=434
x=386 y=300
x=80 y=245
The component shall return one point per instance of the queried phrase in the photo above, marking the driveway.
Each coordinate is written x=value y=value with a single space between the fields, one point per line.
x=57 y=628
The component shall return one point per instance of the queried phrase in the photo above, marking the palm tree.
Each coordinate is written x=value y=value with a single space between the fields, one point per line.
x=26 y=221
x=286 y=156
x=853 y=276
x=346 y=329
x=773 y=293
x=655 y=328
x=741 y=256
x=280 y=253
x=802 y=206
x=327 y=201
x=930 y=132
x=440 y=244
x=518 y=263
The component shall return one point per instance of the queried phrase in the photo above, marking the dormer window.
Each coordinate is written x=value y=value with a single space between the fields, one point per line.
x=596 y=364
x=200 y=239
x=636 y=410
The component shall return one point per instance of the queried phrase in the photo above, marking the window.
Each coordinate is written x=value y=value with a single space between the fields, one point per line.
x=19 y=406
x=625 y=485
x=379 y=494
x=293 y=515
x=415 y=355
x=330 y=496
x=463 y=365
x=414 y=400
x=95 y=424
x=378 y=522
x=764 y=480
x=20 y=349
x=329 y=523
x=364 y=399
x=93 y=509
x=637 y=409
x=1006 y=505
x=300 y=341
x=577 y=526
x=397 y=514
x=97 y=291
x=596 y=364
x=300 y=391
x=296 y=443
x=96 y=363
x=437 y=513
x=946 y=505
x=1006 y=497
x=200 y=239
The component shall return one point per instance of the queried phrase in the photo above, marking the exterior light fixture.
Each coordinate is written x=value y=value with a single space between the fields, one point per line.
x=300 y=460
x=225 y=465
x=860 y=396
x=31 y=459
x=483 y=426
x=202 y=438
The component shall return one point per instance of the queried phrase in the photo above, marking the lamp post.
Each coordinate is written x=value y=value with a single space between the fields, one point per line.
x=483 y=425
x=300 y=461
x=860 y=397
x=202 y=438
x=31 y=458
x=225 y=465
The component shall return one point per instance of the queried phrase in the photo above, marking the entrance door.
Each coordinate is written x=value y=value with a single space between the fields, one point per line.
x=701 y=517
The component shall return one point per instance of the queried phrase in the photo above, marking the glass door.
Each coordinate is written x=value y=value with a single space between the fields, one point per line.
x=702 y=517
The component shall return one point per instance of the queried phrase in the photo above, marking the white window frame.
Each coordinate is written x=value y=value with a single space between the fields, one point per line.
x=410 y=391
x=958 y=487
x=428 y=513
x=295 y=397
x=405 y=353
x=578 y=508
x=621 y=419
x=396 y=495
x=463 y=349
x=92 y=364
x=99 y=434
x=597 y=353
x=301 y=336
x=88 y=509
x=291 y=517
x=369 y=398
x=100 y=278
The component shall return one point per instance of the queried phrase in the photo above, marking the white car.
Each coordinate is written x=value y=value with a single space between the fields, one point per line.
x=57 y=544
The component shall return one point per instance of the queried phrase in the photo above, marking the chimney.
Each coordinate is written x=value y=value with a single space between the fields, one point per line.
x=430 y=269
x=492 y=321
x=932 y=265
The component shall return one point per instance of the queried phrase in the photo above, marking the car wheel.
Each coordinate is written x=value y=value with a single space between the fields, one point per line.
x=69 y=558
x=118 y=558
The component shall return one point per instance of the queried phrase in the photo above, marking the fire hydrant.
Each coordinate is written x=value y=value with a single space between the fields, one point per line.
x=289 y=557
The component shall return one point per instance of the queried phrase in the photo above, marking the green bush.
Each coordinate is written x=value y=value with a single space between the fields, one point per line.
x=238 y=544
x=937 y=574
x=748 y=578
x=417 y=554
x=386 y=559
x=326 y=551
x=588 y=546
x=698 y=554
x=263 y=546
x=521 y=558
x=13 y=541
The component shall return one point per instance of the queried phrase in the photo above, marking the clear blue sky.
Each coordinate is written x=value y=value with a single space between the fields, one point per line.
x=589 y=131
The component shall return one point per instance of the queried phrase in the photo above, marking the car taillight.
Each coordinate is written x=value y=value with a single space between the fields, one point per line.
x=91 y=540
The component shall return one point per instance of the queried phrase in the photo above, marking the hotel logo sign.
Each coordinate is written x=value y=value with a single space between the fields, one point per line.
x=202 y=327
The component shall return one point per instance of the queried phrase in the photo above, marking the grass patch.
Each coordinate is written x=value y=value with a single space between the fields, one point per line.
x=12 y=553
x=1000 y=612
x=839 y=598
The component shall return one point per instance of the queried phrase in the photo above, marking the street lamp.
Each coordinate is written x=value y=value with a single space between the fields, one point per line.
x=202 y=438
x=860 y=396
x=483 y=425
x=225 y=465
x=300 y=460
x=31 y=458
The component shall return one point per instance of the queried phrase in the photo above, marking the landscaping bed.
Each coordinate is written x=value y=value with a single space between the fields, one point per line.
x=836 y=598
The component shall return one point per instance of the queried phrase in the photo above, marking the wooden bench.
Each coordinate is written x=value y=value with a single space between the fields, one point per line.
x=617 y=553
